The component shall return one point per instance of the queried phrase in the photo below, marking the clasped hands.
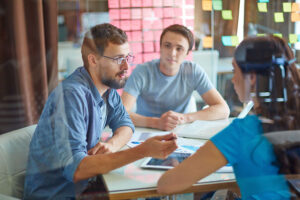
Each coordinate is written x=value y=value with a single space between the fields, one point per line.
x=169 y=120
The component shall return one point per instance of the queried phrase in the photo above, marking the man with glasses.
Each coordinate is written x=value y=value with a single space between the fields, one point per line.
x=65 y=150
x=162 y=88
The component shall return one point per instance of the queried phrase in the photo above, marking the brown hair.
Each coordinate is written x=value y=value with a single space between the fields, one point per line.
x=182 y=30
x=98 y=37
x=257 y=54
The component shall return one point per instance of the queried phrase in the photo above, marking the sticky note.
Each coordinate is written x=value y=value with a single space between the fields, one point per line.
x=128 y=33
x=148 y=36
x=207 y=42
x=116 y=23
x=167 y=2
x=125 y=13
x=295 y=17
x=157 y=46
x=136 y=13
x=263 y=1
x=146 y=3
x=189 y=22
x=136 y=25
x=113 y=3
x=262 y=7
x=125 y=3
x=158 y=3
x=168 y=12
x=226 y=40
x=147 y=24
x=178 y=21
x=207 y=5
x=167 y=22
x=138 y=58
x=217 y=4
x=158 y=24
x=158 y=12
x=278 y=17
x=125 y=25
x=189 y=2
x=179 y=3
x=227 y=14
x=260 y=34
x=114 y=14
x=148 y=47
x=293 y=38
x=136 y=47
x=136 y=36
x=147 y=12
x=136 y=3
x=234 y=40
x=189 y=12
x=157 y=35
x=287 y=7
x=295 y=7
x=278 y=35
x=177 y=11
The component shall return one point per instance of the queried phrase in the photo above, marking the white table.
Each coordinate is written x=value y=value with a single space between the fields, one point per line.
x=131 y=181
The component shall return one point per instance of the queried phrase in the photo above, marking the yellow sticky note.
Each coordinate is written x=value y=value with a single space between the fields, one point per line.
x=278 y=35
x=295 y=17
x=207 y=5
x=295 y=7
x=234 y=40
x=278 y=17
x=260 y=34
x=227 y=14
x=262 y=7
x=287 y=7
x=293 y=38
x=207 y=42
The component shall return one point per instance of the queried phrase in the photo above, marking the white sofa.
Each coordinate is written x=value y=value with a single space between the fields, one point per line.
x=14 y=147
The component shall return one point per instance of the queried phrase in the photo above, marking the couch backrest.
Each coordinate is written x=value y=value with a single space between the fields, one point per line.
x=14 y=147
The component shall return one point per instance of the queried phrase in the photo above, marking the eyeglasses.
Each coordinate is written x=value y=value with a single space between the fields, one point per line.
x=120 y=60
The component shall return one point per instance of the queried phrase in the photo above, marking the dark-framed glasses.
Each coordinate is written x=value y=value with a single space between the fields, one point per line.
x=120 y=60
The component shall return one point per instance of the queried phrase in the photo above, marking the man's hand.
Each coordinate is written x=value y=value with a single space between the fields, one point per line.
x=160 y=146
x=101 y=148
x=169 y=120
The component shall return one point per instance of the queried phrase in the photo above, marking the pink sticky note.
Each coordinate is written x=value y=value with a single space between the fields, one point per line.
x=168 y=12
x=147 y=24
x=136 y=36
x=136 y=13
x=136 y=47
x=189 y=12
x=116 y=23
x=147 y=12
x=168 y=2
x=128 y=33
x=125 y=13
x=114 y=14
x=125 y=3
x=113 y=3
x=189 y=22
x=190 y=2
x=149 y=56
x=148 y=36
x=158 y=3
x=138 y=58
x=158 y=24
x=157 y=46
x=178 y=21
x=177 y=11
x=189 y=56
x=158 y=12
x=147 y=3
x=125 y=25
x=136 y=3
x=168 y=22
x=148 y=47
x=157 y=35
x=178 y=3
x=136 y=25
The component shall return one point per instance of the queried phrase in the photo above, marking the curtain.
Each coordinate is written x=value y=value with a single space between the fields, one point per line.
x=221 y=27
x=28 y=60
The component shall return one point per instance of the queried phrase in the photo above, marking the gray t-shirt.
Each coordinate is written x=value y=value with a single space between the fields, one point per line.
x=157 y=93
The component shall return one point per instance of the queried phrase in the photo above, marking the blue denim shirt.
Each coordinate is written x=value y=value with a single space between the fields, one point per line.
x=70 y=125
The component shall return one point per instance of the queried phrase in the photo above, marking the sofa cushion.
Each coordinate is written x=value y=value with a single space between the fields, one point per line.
x=14 y=147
